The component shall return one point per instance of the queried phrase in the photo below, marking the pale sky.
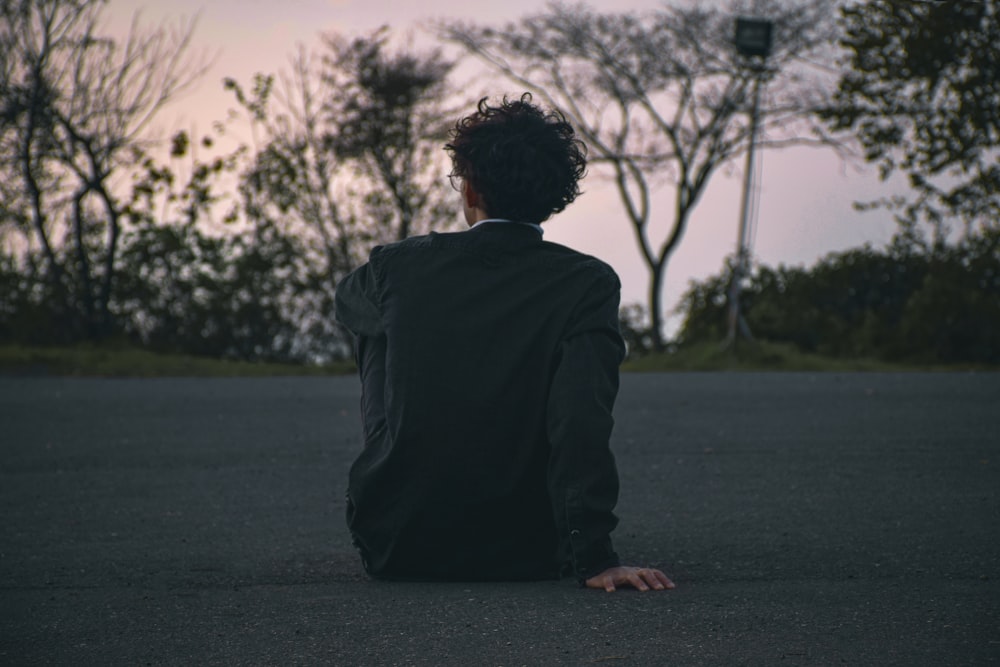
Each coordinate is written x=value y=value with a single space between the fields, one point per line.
x=806 y=194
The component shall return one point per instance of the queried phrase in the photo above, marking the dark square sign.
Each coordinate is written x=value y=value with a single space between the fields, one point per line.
x=753 y=37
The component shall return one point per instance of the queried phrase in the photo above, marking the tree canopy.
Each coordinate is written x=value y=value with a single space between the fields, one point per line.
x=921 y=91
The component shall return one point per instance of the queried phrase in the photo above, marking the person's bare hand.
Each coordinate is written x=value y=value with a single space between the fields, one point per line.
x=640 y=578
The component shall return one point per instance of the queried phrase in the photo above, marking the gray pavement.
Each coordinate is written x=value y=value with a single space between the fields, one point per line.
x=808 y=519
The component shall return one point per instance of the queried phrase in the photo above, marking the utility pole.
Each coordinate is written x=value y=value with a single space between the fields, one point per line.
x=753 y=40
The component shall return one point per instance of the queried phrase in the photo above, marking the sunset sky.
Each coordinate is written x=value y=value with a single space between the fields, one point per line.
x=806 y=194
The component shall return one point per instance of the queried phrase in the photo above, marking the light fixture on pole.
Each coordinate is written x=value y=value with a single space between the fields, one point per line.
x=753 y=41
x=753 y=37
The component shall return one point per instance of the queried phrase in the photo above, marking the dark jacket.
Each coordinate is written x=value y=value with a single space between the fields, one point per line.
x=489 y=367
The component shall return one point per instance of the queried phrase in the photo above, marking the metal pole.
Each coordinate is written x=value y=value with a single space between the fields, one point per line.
x=741 y=245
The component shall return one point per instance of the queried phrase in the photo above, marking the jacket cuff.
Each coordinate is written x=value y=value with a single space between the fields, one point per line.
x=594 y=560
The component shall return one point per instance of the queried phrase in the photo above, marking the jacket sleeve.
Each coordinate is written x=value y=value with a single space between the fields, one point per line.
x=582 y=476
x=357 y=301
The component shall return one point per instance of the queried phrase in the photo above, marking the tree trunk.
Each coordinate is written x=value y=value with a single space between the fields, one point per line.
x=104 y=302
x=37 y=216
x=86 y=289
x=655 y=305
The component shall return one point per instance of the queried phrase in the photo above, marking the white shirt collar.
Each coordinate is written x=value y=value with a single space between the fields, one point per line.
x=537 y=228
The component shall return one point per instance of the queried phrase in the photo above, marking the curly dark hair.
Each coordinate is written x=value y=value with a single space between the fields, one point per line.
x=524 y=163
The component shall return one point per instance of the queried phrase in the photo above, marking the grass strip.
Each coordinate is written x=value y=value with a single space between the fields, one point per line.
x=114 y=361
x=767 y=356
x=106 y=361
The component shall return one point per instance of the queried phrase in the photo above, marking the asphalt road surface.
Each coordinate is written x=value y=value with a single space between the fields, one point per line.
x=808 y=519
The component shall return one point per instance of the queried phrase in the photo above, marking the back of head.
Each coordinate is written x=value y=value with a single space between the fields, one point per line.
x=524 y=163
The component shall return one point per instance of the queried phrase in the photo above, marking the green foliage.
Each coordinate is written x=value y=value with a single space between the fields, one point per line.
x=922 y=96
x=240 y=294
x=231 y=297
x=74 y=104
x=233 y=256
x=903 y=303
x=635 y=329
x=955 y=313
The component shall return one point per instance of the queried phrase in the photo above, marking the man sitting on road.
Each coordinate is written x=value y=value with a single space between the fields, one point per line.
x=489 y=368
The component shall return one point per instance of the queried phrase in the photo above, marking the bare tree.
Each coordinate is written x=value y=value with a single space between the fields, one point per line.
x=347 y=153
x=663 y=96
x=392 y=123
x=349 y=147
x=292 y=180
x=76 y=106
